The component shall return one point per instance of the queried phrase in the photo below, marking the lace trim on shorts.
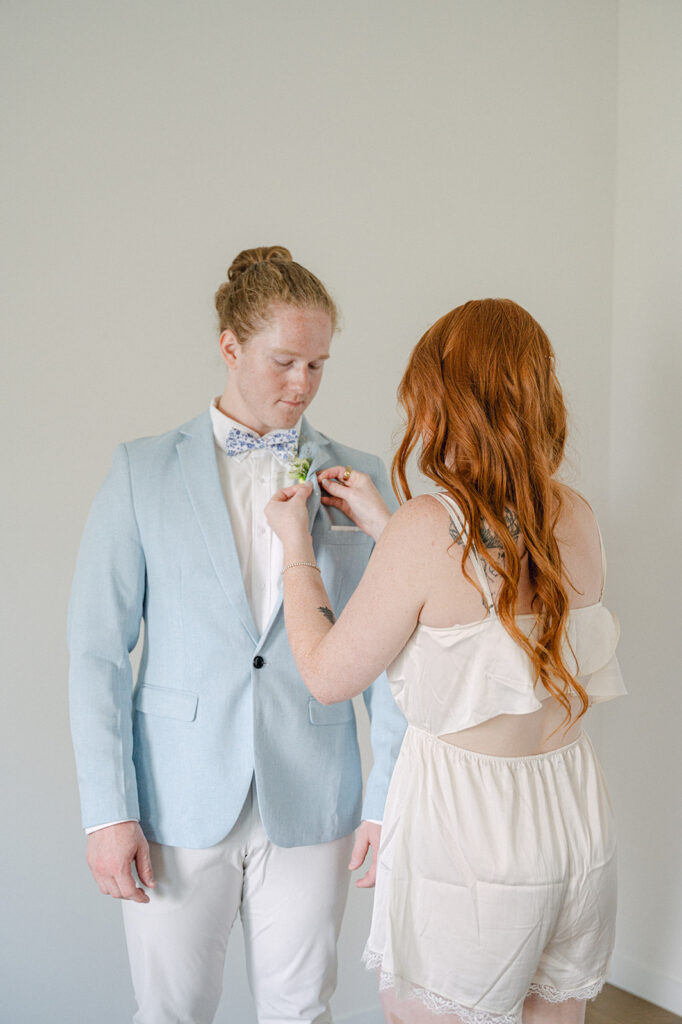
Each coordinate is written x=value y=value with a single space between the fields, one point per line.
x=440 y=1005
x=435 y=1003
x=553 y=995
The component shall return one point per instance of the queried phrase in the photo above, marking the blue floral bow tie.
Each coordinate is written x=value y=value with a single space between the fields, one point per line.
x=282 y=443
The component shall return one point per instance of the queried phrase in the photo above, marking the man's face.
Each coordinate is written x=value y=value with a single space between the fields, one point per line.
x=274 y=377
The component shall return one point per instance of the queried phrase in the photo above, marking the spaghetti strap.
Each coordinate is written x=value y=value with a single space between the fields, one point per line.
x=603 y=562
x=453 y=509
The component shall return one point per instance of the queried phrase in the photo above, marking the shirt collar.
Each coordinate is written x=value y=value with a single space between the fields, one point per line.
x=223 y=424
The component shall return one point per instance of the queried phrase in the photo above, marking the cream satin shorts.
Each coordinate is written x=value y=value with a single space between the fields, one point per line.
x=496 y=878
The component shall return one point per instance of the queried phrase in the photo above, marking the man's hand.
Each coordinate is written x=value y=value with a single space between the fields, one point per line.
x=111 y=851
x=368 y=834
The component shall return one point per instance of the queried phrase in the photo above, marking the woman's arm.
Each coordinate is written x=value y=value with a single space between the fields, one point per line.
x=338 y=660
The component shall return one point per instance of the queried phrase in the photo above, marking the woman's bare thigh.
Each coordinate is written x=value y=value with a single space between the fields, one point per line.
x=539 y=1011
x=411 y=1011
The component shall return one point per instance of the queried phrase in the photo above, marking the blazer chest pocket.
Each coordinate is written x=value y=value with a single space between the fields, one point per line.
x=350 y=535
x=165 y=702
x=329 y=714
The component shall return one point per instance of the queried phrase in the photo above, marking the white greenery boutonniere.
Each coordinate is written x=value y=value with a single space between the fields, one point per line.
x=299 y=465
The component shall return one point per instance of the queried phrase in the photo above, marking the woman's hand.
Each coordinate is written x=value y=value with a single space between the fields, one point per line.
x=287 y=514
x=357 y=497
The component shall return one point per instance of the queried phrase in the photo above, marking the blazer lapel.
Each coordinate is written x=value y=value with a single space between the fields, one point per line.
x=317 y=443
x=196 y=451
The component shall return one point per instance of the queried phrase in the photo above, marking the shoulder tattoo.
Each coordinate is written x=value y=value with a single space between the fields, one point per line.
x=490 y=540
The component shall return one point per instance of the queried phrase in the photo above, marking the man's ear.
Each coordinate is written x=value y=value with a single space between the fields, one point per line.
x=229 y=348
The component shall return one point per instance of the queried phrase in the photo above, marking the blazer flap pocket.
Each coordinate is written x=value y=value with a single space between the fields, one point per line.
x=339 y=529
x=330 y=714
x=168 y=703
x=336 y=534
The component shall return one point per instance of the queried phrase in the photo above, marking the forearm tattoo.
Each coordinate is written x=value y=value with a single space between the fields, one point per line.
x=328 y=614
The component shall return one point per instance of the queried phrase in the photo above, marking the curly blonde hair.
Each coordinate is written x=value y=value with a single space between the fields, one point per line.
x=259 y=279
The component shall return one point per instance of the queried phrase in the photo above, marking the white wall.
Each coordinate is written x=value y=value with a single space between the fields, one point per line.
x=414 y=156
x=641 y=736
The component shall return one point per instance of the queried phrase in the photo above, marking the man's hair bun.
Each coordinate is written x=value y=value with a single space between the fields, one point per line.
x=262 y=278
x=262 y=254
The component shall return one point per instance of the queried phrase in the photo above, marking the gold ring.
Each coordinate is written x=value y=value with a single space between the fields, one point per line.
x=347 y=474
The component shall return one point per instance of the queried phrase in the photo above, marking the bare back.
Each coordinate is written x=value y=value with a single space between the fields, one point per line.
x=452 y=599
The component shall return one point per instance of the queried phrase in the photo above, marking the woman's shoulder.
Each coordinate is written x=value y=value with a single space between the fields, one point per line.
x=422 y=511
x=579 y=538
x=420 y=526
x=576 y=516
x=572 y=499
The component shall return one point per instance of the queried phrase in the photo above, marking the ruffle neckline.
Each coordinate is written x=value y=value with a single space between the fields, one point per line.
x=447 y=679
x=592 y=633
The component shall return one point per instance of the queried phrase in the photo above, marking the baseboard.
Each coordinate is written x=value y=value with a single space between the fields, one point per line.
x=647 y=983
x=361 y=1017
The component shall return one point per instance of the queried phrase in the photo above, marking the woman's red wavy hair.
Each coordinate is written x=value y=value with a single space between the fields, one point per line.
x=481 y=395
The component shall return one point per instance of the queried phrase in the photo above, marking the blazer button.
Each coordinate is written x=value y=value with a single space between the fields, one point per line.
x=258 y=662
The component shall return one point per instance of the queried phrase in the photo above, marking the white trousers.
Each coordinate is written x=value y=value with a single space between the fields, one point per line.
x=291 y=903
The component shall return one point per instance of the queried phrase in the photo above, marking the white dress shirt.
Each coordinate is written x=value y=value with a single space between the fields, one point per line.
x=249 y=480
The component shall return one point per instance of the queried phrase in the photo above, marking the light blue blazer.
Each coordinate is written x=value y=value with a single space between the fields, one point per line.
x=214 y=702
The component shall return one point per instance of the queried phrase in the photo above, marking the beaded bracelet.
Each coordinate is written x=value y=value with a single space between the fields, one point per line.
x=291 y=565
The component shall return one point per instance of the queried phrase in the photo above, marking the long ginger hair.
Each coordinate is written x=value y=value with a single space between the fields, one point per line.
x=481 y=395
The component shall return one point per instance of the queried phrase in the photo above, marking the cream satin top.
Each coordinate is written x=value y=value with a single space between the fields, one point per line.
x=450 y=678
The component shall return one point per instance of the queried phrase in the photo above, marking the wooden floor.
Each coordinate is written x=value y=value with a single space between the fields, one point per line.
x=614 y=1006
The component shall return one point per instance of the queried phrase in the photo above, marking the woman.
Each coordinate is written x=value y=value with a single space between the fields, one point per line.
x=495 y=898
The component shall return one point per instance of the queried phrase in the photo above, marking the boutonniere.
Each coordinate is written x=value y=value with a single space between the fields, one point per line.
x=299 y=464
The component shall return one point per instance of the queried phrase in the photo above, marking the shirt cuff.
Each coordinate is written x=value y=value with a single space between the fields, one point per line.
x=373 y=821
x=96 y=828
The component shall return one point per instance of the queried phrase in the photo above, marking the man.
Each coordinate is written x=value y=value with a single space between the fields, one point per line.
x=228 y=786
